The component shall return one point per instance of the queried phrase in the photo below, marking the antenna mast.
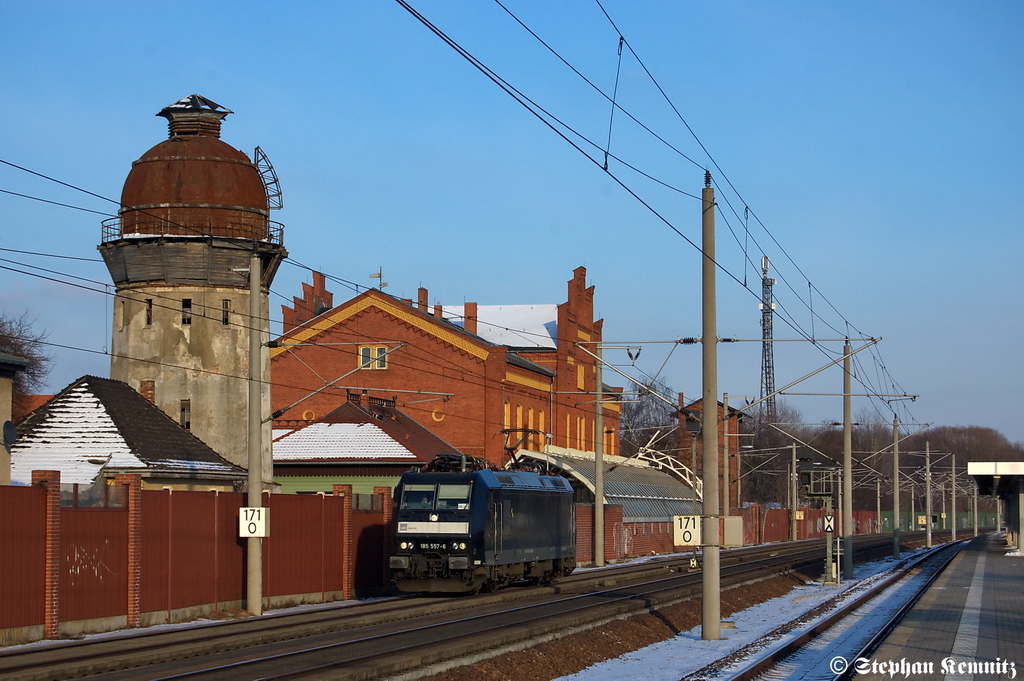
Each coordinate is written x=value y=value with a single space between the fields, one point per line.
x=767 y=307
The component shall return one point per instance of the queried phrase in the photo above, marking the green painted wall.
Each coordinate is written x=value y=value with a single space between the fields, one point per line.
x=325 y=484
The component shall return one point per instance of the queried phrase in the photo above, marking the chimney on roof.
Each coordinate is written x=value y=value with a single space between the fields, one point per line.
x=194 y=116
x=421 y=300
x=438 y=311
x=469 y=322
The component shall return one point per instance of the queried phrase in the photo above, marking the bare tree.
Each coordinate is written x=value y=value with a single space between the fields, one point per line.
x=647 y=415
x=766 y=466
x=18 y=338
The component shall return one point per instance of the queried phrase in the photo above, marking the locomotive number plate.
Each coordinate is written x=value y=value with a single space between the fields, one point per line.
x=433 y=528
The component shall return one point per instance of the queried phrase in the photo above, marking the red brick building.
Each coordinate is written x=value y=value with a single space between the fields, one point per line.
x=467 y=372
x=689 y=442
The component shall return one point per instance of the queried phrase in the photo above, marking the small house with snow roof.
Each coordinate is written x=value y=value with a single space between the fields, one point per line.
x=366 y=442
x=97 y=427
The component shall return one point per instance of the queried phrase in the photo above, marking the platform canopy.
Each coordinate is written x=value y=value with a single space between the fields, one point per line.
x=646 y=494
x=1004 y=479
x=996 y=477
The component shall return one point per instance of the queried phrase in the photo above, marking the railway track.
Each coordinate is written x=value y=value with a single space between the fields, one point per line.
x=823 y=644
x=390 y=637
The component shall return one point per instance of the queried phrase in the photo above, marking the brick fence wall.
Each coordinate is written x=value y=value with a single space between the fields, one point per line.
x=169 y=556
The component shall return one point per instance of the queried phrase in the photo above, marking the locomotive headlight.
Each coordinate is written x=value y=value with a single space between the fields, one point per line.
x=433 y=517
x=462 y=546
x=404 y=545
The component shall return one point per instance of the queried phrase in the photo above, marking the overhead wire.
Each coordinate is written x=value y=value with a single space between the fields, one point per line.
x=535 y=108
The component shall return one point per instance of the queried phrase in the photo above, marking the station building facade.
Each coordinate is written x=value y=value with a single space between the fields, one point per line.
x=469 y=373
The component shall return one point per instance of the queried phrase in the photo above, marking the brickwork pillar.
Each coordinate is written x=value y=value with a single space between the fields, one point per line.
x=349 y=560
x=51 y=612
x=133 y=483
x=387 y=515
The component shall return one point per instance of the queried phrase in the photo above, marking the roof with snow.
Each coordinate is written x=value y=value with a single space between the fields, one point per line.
x=97 y=427
x=357 y=433
x=517 y=326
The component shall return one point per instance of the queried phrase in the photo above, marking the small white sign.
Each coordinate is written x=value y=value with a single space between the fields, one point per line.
x=686 y=530
x=254 y=521
x=694 y=565
x=830 y=523
x=433 y=528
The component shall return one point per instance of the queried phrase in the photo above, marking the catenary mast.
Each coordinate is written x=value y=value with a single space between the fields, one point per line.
x=767 y=357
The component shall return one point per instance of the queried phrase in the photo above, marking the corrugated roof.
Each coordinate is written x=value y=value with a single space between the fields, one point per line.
x=645 y=494
x=97 y=424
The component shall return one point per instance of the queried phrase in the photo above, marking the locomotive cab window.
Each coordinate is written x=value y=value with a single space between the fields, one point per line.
x=453 y=497
x=418 y=496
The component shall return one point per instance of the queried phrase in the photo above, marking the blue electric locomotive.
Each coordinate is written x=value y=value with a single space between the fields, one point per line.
x=464 y=531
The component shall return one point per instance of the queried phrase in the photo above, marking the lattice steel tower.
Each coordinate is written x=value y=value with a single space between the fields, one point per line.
x=767 y=358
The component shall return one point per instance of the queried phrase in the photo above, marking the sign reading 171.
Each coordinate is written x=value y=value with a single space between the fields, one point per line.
x=686 y=530
x=254 y=521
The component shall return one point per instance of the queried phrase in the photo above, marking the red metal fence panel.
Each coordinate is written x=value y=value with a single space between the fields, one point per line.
x=775 y=525
x=370 y=541
x=23 y=556
x=230 y=554
x=193 y=549
x=94 y=563
x=334 y=545
x=191 y=553
x=293 y=557
x=305 y=550
x=156 y=562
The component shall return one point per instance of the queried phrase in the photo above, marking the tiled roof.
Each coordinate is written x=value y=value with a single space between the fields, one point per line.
x=332 y=441
x=355 y=432
x=96 y=425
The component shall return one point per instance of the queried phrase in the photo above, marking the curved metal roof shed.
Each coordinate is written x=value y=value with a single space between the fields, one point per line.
x=646 y=494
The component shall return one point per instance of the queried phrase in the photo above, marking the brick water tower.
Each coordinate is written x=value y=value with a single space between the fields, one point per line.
x=193 y=211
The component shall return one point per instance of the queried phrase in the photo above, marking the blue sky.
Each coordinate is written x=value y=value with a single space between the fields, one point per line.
x=880 y=145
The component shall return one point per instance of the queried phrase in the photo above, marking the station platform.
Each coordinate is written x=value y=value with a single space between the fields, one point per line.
x=970 y=623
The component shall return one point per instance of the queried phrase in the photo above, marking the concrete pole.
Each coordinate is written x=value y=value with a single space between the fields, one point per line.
x=878 y=504
x=847 y=468
x=726 y=497
x=254 y=545
x=895 y=488
x=942 y=495
x=710 y=575
x=975 y=510
x=927 y=495
x=830 y=565
x=794 y=494
x=952 y=505
x=599 y=464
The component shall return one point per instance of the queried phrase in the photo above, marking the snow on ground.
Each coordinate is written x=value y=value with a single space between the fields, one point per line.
x=686 y=653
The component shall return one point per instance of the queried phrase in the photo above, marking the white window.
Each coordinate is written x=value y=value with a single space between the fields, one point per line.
x=373 y=357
